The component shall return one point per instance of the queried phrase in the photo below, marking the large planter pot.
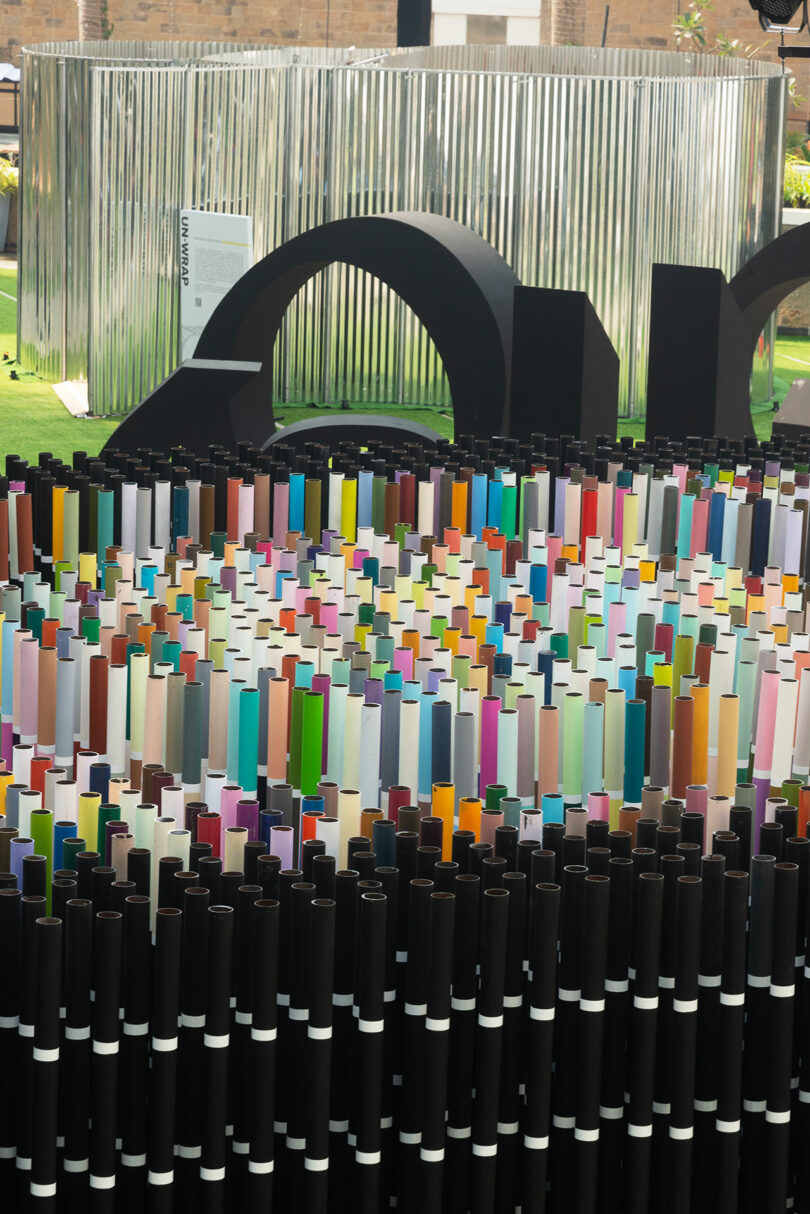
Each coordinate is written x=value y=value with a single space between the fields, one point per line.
x=793 y=216
x=5 y=207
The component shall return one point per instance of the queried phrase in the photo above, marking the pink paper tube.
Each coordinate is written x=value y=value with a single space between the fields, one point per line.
x=490 y=706
x=618 y=515
x=329 y=614
x=617 y=619
x=526 y=747
x=281 y=844
x=245 y=512
x=697 y=797
x=576 y=819
x=231 y=795
x=29 y=682
x=281 y=506
x=403 y=660
x=598 y=806
x=491 y=819
x=717 y=810
x=763 y=743
x=547 y=752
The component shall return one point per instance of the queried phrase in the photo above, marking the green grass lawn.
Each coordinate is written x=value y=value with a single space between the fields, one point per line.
x=33 y=419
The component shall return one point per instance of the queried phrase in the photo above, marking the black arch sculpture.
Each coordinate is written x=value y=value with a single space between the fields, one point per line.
x=769 y=277
x=700 y=383
x=452 y=279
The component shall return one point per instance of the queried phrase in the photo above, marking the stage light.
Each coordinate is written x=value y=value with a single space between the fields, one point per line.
x=776 y=15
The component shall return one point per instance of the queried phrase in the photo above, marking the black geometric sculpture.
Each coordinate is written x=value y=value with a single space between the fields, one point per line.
x=565 y=371
x=699 y=362
x=356 y=427
x=189 y=408
x=451 y=278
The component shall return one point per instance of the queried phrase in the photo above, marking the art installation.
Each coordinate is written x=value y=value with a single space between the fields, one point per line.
x=389 y=821
x=555 y=156
x=421 y=822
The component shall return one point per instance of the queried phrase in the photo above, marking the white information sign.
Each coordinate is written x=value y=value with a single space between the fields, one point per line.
x=215 y=251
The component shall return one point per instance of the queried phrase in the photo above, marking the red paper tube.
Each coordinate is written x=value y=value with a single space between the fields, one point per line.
x=4 y=571
x=98 y=703
x=208 y=830
x=234 y=483
x=25 y=534
x=683 y=726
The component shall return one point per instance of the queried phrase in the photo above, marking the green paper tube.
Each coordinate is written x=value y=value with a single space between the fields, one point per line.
x=232 y=767
x=688 y=625
x=70 y=850
x=104 y=521
x=296 y=727
x=461 y=669
x=378 y=504
x=341 y=672
x=645 y=639
x=311 y=741
x=59 y=568
x=438 y=624
x=745 y=794
x=112 y=574
x=596 y=634
x=509 y=511
x=652 y=658
x=70 y=528
x=384 y=650
x=573 y=725
x=614 y=750
x=192 y=737
x=56 y=604
x=248 y=741
x=683 y=661
x=400 y=531
x=42 y=834
x=541 y=613
x=707 y=634
x=558 y=644
x=106 y=813
x=511 y=807
x=171 y=653
x=218 y=539
x=634 y=726
x=175 y=685
x=90 y=628
x=428 y=572
x=746 y=686
x=685 y=526
x=185 y=605
x=494 y=794
x=576 y=629
x=145 y=815
x=790 y=791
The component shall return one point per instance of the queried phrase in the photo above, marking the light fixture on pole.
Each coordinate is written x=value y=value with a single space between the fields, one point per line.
x=775 y=15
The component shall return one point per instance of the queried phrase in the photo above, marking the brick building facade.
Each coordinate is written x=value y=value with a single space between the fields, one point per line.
x=373 y=23
x=369 y=23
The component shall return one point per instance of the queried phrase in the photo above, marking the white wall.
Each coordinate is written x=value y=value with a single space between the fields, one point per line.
x=450 y=20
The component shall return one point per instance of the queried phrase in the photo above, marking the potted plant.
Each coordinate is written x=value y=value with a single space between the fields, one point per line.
x=9 y=178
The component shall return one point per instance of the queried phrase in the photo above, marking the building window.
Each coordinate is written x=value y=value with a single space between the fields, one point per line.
x=487 y=30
